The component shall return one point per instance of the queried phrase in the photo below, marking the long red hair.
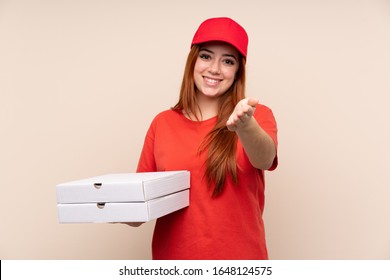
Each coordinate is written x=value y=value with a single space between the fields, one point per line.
x=220 y=143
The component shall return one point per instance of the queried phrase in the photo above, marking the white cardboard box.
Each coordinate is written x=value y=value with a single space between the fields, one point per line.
x=122 y=211
x=123 y=187
x=123 y=197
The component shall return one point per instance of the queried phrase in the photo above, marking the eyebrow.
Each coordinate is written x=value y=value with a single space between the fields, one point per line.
x=225 y=54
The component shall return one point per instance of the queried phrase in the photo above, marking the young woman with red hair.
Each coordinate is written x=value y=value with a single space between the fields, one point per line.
x=226 y=141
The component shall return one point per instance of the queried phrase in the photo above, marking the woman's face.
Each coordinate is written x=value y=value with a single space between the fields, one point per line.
x=215 y=68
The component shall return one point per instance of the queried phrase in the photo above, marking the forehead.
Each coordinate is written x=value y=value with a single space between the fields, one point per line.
x=217 y=46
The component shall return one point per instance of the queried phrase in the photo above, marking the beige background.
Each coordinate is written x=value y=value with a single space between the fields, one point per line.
x=81 y=80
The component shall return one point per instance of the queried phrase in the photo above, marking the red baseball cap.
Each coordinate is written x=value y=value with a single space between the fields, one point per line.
x=222 y=29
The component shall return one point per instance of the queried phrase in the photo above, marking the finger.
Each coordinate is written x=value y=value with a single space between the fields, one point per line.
x=231 y=126
x=245 y=113
x=253 y=101
x=244 y=118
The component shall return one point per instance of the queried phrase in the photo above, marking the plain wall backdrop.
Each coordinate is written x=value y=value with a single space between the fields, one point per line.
x=81 y=80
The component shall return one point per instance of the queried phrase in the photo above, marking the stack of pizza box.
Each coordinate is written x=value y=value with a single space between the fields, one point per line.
x=123 y=197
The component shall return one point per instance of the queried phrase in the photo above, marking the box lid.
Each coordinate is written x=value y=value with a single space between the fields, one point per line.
x=123 y=187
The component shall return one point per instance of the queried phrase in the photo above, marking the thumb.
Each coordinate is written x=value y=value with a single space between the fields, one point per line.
x=253 y=101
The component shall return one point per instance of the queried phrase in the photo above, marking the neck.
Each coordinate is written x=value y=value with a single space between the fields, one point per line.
x=208 y=107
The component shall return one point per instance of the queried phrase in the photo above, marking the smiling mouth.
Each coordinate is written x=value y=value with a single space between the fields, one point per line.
x=211 y=81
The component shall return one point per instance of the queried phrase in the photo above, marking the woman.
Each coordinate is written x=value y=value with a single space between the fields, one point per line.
x=226 y=141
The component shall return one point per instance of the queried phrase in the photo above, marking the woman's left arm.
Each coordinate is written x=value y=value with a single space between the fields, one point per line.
x=257 y=144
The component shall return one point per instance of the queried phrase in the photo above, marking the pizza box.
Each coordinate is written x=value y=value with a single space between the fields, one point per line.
x=123 y=187
x=142 y=211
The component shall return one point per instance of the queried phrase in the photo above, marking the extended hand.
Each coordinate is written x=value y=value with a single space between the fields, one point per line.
x=242 y=113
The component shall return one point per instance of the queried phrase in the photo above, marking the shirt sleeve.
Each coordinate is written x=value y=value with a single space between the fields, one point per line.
x=265 y=117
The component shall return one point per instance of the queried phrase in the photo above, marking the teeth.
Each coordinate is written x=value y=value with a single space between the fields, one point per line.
x=211 y=81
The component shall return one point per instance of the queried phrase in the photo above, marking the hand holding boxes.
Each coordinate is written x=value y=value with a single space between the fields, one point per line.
x=123 y=197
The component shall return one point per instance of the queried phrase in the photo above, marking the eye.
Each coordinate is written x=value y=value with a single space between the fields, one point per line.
x=229 y=61
x=204 y=56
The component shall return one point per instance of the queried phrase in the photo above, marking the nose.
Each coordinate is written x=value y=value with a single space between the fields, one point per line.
x=215 y=68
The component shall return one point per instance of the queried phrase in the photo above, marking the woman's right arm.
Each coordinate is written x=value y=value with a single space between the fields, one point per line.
x=134 y=224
